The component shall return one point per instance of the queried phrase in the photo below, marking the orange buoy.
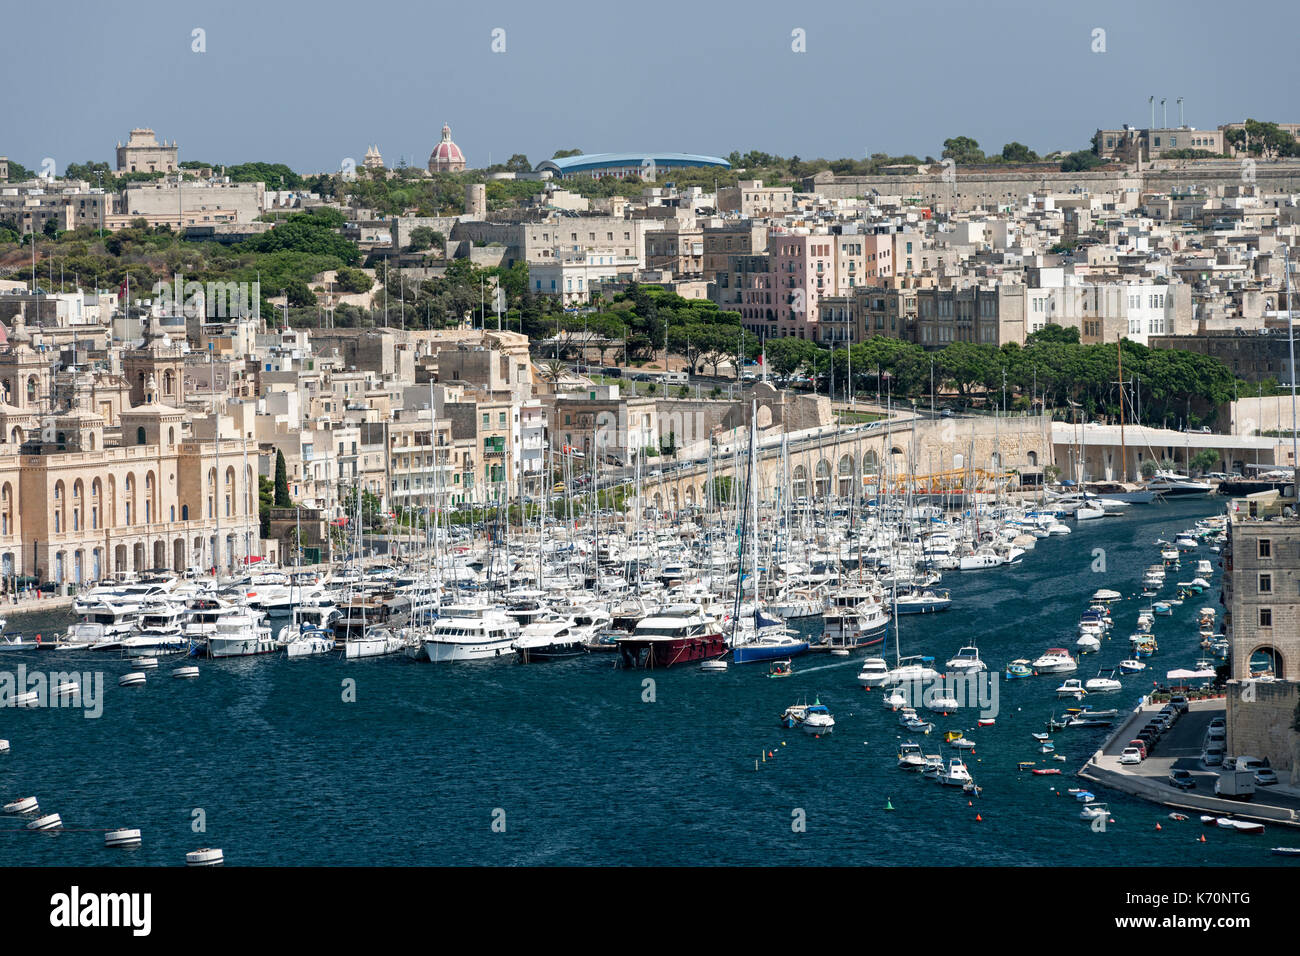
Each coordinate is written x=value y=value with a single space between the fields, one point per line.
x=1202 y=840
x=1159 y=827
x=978 y=818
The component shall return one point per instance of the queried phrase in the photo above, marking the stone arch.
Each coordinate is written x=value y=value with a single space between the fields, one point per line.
x=675 y=500
x=178 y=554
x=846 y=469
x=690 y=496
x=823 y=479
x=128 y=498
x=870 y=462
x=1265 y=659
x=60 y=507
x=7 y=509
x=799 y=483
x=1033 y=459
x=764 y=419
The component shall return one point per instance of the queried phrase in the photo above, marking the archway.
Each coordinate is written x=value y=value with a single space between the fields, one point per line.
x=119 y=558
x=178 y=554
x=846 y=476
x=823 y=482
x=799 y=485
x=160 y=554
x=1265 y=661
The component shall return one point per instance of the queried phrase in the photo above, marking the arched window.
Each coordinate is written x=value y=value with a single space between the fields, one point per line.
x=139 y=435
x=185 y=512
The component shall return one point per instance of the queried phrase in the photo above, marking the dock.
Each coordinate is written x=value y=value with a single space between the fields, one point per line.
x=1180 y=748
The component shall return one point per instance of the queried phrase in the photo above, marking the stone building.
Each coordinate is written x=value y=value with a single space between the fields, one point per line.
x=144 y=154
x=1261 y=584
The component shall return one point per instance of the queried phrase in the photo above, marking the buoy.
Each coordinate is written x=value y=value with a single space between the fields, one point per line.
x=4 y=746
x=969 y=803
x=207 y=856
x=125 y=837
x=1159 y=827
x=889 y=805
x=1202 y=840
x=978 y=818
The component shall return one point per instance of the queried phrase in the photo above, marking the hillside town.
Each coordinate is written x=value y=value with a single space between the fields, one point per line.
x=143 y=407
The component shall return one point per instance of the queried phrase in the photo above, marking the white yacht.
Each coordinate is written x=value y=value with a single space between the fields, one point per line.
x=1056 y=660
x=241 y=635
x=1171 y=484
x=956 y=775
x=910 y=756
x=874 y=673
x=469 y=632
x=966 y=661
x=854 y=617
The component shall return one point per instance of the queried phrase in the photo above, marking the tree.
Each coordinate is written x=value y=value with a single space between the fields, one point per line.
x=564 y=153
x=1015 y=152
x=1204 y=460
x=962 y=149
x=299 y=294
x=518 y=163
x=353 y=281
x=421 y=238
x=1080 y=161
x=282 y=499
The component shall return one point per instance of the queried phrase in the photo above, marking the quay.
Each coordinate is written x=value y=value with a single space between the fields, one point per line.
x=1180 y=749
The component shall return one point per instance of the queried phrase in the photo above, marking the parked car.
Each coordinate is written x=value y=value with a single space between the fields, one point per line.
x=1181 y=780
x=1266 y=777
x=1219 y=722
x=1212 y=758
x=1130 y=755
x=1140 y=744
x=1179 y=703
x=1215 y=733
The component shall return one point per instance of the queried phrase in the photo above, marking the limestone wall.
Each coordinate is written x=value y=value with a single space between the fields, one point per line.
x=1260 y=716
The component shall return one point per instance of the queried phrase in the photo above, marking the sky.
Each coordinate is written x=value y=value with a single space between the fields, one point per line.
x=312 y=84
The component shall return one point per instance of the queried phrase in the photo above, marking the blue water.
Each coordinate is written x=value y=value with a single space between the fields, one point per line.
x=582 y=770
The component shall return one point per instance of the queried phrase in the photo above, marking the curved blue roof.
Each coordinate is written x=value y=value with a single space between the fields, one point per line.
x=587 y=161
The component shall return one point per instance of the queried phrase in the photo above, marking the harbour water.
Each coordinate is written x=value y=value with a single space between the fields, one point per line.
x=578 y=762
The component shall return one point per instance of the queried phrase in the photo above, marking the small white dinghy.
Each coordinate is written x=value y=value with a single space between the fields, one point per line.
x=22 y=805
x=713 y=667
x=186 y=673
x=51 y=821
x=146 y=662
x=207 y=856
x=125 y=837
x=133 y=679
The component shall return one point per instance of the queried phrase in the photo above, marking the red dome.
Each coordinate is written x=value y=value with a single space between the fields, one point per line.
x=446 y=156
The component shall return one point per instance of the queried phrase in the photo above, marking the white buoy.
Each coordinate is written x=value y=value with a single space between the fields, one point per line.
x=207 y=856
x=4 y=746
x=125 y=837
x=147 y=662
x=186 y=672
x=22 y=805
x=51 y=821
x=26 y=700
x=133 y=679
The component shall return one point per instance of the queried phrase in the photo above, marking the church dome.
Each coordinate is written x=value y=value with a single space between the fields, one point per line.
x=446 y=156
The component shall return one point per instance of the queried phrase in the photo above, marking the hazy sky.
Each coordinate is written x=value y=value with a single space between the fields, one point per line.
x=310 y=83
